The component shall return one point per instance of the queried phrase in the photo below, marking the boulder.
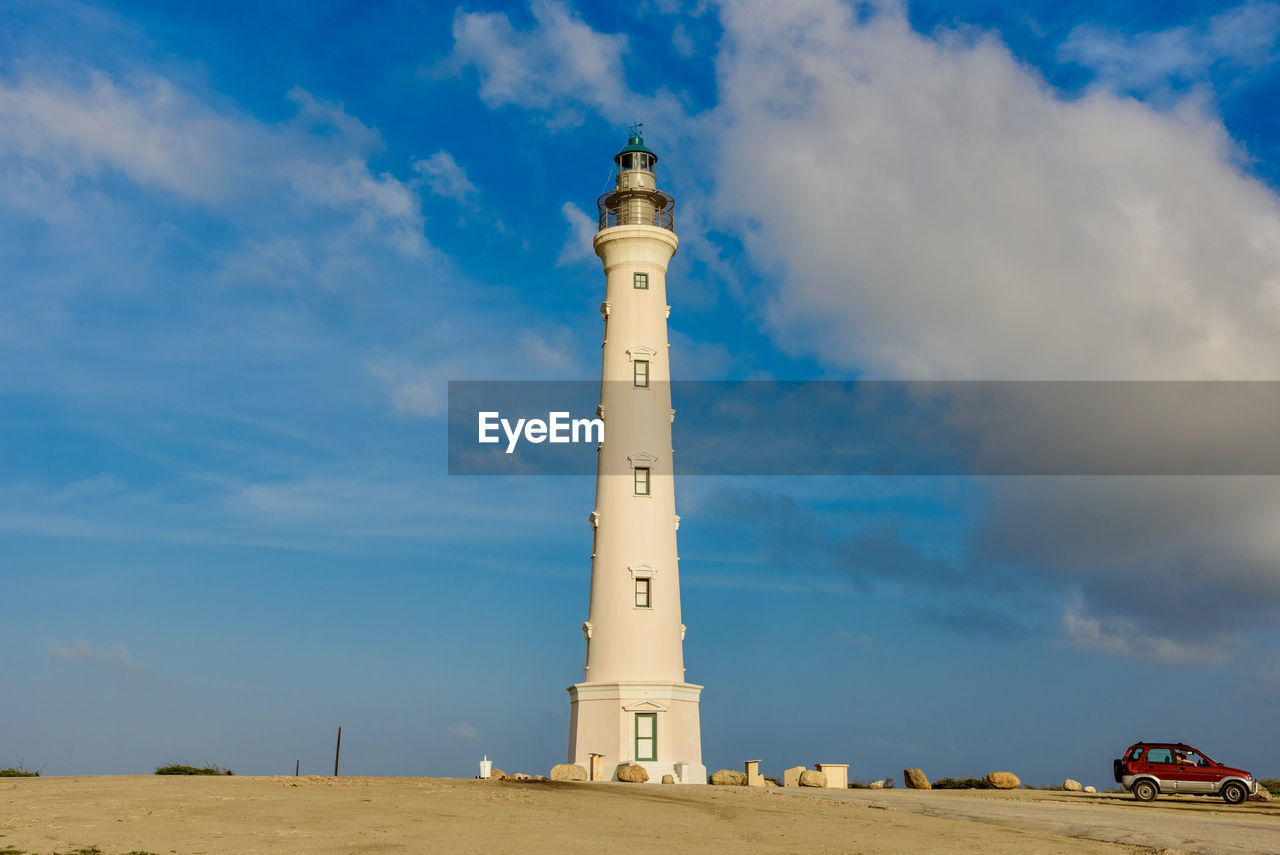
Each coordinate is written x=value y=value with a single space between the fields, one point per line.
x=915 y=780
x=632 y=774
x=496 y=774
x=1091 y=789
x=876 y=785
x=791 y=777
x=1003 y=780
x=668 y=779
x=517 y=776
x=1263 y=795
x=729 y=778
x=567 y=772
x=811 y=778
x=1071 y=786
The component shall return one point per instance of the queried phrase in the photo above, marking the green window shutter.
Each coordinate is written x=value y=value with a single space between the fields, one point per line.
x=642 y=480
x=641 y=281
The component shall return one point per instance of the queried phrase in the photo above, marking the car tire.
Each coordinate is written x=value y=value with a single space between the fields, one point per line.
x=1145 y=790
x=1234 y=793
x=1117 y=769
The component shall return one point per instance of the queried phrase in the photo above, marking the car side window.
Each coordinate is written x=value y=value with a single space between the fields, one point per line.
x=1135 y=754
x=1159 y=755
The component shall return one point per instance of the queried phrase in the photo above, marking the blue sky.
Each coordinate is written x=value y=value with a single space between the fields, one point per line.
x=242 y=255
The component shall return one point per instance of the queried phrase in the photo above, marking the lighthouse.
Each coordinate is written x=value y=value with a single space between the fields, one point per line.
x=634 y=706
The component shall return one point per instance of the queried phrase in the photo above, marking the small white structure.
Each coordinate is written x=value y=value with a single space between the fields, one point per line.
x=486 y=767
x=633 y=704
x=837 y=774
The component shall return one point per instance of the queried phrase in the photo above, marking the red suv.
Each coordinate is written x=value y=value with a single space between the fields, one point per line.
x=1150 y=768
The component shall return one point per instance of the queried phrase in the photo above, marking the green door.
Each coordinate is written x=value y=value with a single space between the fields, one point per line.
x=646 y=736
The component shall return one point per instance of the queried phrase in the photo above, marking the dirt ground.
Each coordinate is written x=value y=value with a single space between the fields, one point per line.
x=316 y=816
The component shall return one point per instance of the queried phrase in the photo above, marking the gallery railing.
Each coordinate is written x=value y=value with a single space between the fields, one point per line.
x=632 y=208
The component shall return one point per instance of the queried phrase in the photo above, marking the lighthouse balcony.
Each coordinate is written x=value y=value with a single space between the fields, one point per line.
x=632 y=208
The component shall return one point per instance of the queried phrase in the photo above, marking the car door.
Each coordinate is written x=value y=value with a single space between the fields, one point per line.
x=1159 y=763
x=1200 y=776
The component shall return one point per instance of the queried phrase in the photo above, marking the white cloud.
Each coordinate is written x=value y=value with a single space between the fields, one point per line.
x=116 y=656
x=926 y=207
x=1243 y=38
x=843 y=636
x=931 y=209
x=582 y=231
x=1118 y=636
x=167 y=139
x=464 y=731
x=557 y=69
x=444 y=177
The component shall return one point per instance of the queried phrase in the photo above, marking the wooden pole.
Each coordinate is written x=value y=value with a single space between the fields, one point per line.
x=296 y=765
x=337 y=751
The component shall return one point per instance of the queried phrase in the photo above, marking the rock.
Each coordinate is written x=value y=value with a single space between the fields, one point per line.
x=791 y=777
x=729 y=778
x=1071 y=786
x=876 y=785
x=517 y=776
x=632 y=774
x=567 y=772
x=1091 y=789
x=811 y=778
x=541 y=779
x=668 y=779
x=1263 y=795
x=915 y=780
x=1003 y=780
x=496 y=774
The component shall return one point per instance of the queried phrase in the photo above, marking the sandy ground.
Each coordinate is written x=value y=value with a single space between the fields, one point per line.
x=245 y=815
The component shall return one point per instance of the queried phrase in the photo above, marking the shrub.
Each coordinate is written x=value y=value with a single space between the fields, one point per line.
x=19 y=772
x=961 y=784
x=193 y=770
x=773 y=781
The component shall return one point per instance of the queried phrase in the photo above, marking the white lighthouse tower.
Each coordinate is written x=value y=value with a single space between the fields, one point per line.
x=633 y=705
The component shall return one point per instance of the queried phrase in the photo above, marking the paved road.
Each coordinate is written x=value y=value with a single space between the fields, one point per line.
x=1182 y=824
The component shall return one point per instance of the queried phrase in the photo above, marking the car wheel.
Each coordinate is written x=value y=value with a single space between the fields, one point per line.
x=1117 y=769
x=1145 y=790
x=1234 y=793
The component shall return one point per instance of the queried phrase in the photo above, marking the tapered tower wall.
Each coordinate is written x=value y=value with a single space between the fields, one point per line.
x=634 y=705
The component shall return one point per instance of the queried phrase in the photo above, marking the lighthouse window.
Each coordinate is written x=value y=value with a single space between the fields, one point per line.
x=642 y=480
x=641 y=373
x=643 y=590
x=646 y=736
x=642 y=281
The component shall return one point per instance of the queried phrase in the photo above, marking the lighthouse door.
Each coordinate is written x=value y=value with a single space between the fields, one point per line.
x=646 y=736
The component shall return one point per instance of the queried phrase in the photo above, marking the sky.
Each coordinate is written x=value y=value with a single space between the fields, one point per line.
x=242 y=255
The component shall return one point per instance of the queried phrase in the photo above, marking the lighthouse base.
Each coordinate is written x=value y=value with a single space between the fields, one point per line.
x=653 y=725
